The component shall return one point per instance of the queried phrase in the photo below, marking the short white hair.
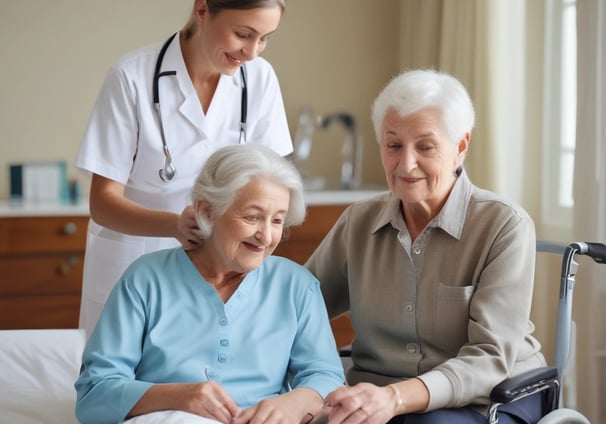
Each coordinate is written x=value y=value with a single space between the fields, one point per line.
x=414 y=90
x=231 y=168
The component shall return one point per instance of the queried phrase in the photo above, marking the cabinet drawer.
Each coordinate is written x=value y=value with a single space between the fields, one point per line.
x=41 y=274
x=43 y=234
x=303 y=240
x=39 y=312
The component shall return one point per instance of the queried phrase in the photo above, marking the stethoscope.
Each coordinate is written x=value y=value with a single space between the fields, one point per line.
x=168 y=172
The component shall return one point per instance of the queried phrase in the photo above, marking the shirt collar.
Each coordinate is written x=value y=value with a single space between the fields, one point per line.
x=450 y=219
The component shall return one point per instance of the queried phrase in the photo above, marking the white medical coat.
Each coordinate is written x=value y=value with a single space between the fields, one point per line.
x=122 y=142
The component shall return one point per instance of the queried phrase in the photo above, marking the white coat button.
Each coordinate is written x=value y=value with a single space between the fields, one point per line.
x=411 y=348
x=417 y=251
x=409 y=308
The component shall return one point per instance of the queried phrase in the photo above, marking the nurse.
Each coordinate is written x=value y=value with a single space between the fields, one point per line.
x=162 y=111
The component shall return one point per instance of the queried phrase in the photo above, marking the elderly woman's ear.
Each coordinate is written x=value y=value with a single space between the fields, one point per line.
x=462 y=149
x=204 y=210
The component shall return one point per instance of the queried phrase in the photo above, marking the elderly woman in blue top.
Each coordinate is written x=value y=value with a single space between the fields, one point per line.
x=437 y=273
x=225 y=331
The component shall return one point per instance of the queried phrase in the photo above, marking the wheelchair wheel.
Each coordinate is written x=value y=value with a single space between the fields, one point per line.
x=564 y=415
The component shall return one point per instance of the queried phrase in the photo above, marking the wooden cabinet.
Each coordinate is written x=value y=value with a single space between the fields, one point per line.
x=41 y=260
x=303 y=240
x=41 y=264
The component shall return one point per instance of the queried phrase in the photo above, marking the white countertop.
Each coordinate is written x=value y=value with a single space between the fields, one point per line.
x=338 y=197
x=312 y=198
x=10 y=208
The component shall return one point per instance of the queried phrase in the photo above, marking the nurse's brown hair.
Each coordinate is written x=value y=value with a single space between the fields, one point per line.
x=216 y=6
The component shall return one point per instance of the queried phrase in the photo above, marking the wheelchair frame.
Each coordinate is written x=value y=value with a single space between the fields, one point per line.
x=549 y=379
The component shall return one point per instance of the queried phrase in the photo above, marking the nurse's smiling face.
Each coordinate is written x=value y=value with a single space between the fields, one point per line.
x=233 y=36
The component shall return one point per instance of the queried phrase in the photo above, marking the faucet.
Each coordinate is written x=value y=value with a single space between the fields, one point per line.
x=303 y=137
x=351 y=168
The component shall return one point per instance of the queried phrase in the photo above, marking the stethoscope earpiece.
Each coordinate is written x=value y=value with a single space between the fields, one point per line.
x=168 y=172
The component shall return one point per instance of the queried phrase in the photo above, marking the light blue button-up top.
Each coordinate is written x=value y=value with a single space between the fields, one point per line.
x=164 y=323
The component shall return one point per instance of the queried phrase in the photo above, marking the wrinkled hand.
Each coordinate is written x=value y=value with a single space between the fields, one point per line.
x=362 y=403
x=187 y=229
x=283 y=409
x=208 y=400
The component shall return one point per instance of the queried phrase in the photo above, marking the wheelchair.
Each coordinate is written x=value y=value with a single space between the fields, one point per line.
x=548 y=379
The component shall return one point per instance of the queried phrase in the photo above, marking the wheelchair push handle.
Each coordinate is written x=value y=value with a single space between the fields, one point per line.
x=597 y=251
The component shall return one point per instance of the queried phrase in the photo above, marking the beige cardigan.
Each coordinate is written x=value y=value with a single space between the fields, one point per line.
x=453 y=308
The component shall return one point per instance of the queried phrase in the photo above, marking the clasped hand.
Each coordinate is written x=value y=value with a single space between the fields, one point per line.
x=210 y=400
x=362 y=403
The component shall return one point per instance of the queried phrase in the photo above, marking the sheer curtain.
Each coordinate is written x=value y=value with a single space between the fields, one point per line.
x=590 y=204
x=496 y=49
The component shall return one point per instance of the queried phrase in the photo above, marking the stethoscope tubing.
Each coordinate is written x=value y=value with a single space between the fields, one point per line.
x=168 y=172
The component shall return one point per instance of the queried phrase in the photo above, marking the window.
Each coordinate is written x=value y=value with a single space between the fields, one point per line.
x=560 y=112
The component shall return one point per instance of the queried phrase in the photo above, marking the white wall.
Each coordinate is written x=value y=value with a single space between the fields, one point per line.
x=330 y=55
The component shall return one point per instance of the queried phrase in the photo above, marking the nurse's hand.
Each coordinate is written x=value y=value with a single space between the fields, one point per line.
x=187 y=229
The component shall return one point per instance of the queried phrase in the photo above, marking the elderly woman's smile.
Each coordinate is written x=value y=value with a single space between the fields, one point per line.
x=252 y=226
x=418 y=158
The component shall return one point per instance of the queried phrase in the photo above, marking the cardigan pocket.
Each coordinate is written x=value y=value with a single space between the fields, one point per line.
x=452 y=316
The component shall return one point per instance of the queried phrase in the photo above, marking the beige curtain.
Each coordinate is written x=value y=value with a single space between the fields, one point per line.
x=451 y=36
x=496 y=48
x=590 y=204
x=465 y=38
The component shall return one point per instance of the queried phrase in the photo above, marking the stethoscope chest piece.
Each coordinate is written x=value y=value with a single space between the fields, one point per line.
x=168 y=172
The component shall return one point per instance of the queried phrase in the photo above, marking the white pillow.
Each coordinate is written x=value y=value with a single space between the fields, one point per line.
x=38 y=369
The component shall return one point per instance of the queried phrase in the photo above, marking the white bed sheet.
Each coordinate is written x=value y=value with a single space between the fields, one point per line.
x=38 y=369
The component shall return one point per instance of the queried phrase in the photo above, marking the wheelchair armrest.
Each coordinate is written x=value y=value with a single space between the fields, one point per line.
x=524 y=384
x=345 y=351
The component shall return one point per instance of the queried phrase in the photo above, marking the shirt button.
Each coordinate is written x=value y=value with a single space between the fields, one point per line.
x=224 y=342
x=411 y=348
x=221 y=358
x=409 y=308
x=223 y=321
x=417 y=251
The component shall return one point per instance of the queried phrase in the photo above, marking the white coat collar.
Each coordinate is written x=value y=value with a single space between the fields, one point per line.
x=189 y=104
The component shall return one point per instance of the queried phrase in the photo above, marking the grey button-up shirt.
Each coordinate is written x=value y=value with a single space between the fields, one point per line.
x=452 y=307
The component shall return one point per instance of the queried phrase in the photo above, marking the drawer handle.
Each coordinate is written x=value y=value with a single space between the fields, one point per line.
x=70 y=228
x=67 y=266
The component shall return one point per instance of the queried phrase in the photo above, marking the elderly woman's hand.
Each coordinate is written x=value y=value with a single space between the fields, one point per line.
x=208 y=400
x=362 y=403
x=288 y=408
x=187 y=228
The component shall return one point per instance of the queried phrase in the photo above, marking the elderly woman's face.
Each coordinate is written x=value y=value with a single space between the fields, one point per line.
x=418 y=159
x=251 y=228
